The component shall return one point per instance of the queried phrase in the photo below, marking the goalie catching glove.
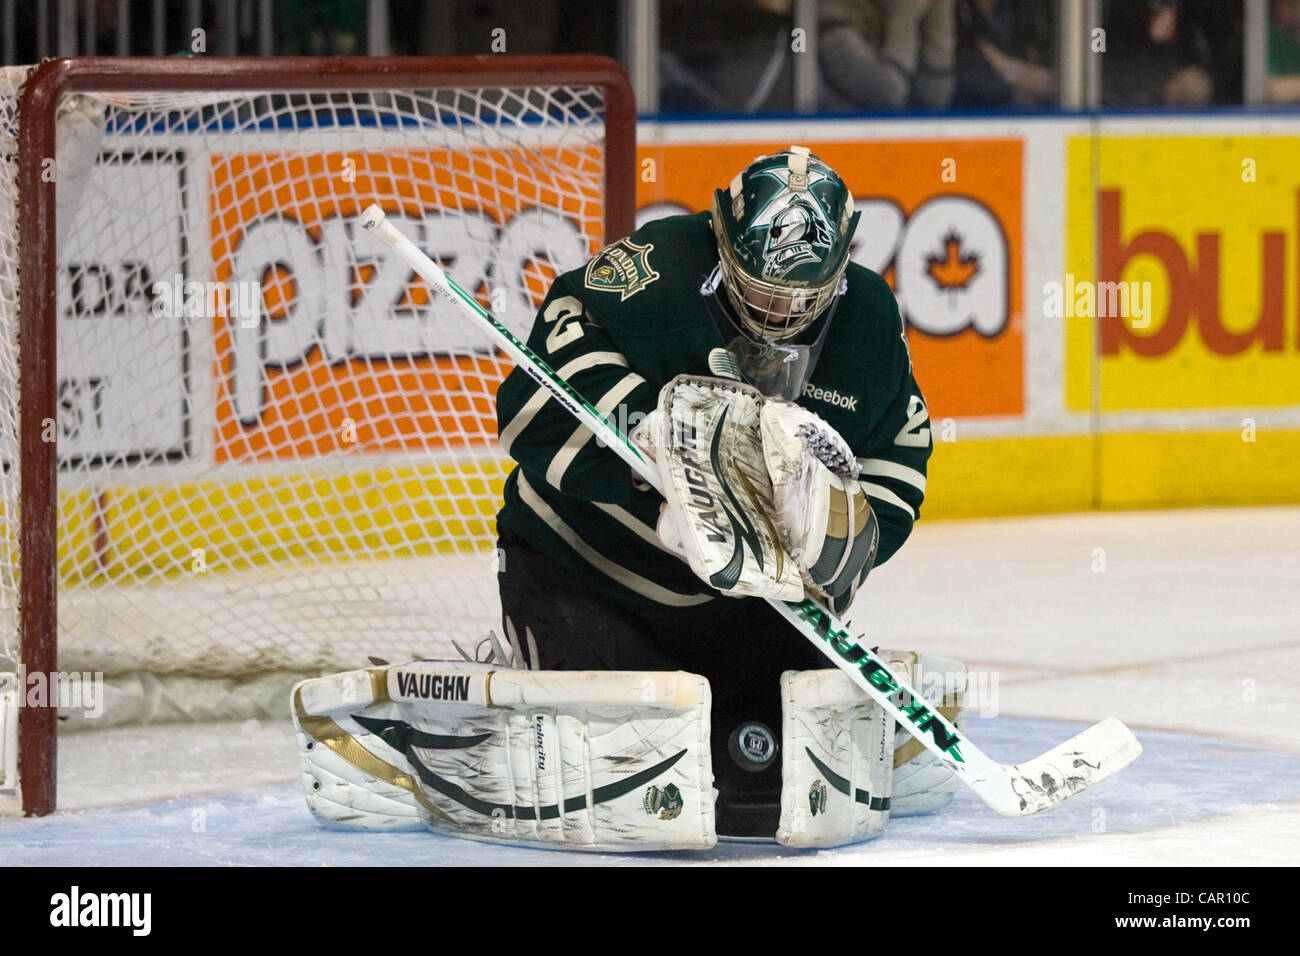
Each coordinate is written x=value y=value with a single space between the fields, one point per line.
x=761 y=495
x=822 y=513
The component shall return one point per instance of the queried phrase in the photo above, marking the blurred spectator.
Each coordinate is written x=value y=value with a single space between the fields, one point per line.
x=886 y=54
x=1284 y=53
x=727 y=56
x=473 y=25
x=1175 y=52
x=1005 y=54
x=321 y=28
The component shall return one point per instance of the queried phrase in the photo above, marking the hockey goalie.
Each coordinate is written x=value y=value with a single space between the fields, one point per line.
x=644 y=694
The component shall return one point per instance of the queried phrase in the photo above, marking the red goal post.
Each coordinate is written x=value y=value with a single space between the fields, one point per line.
x=38 y=283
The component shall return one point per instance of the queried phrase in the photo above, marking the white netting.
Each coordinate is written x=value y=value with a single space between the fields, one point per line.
x=295 y=468
x=11 y=80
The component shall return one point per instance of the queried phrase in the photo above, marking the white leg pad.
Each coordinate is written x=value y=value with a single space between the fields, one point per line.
x=922 y=784
x=354 y=780
x=837 y=761
x=586 y=760
x=9 y=697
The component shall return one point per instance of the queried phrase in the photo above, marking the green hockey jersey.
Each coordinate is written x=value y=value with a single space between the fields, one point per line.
x=618 y=330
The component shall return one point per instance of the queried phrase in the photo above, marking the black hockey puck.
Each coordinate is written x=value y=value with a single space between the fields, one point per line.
x=752 y=746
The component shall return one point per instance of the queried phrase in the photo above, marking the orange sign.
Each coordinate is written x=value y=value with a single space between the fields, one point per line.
x=941 y=221
x=350 y=353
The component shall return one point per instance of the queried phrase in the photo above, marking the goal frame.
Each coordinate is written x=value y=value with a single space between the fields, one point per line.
x=38 y=277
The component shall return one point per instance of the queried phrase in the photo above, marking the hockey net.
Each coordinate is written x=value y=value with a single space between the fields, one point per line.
x=275 y=450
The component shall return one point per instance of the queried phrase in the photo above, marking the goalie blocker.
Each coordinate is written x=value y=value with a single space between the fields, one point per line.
x=588 y=760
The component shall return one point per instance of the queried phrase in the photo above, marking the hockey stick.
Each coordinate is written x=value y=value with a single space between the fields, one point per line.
x=1012 y=790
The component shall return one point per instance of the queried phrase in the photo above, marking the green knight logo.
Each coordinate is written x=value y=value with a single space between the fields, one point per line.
x=798 y=224
x=817 y=795
x=793 y=233
x=666 y=802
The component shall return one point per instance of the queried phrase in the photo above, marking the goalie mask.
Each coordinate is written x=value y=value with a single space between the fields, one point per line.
x=777 y=369
x=783 y=229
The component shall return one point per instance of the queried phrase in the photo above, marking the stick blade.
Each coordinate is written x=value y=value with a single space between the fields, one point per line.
x=1083 y=761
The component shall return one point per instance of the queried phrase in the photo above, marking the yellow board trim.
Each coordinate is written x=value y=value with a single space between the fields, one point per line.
x=134 y=532
x=1009 y=476
x=1120 y=470
x=137 y=532
x=1199 y=468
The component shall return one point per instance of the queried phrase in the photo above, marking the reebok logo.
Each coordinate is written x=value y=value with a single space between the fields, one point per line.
x=849 y=402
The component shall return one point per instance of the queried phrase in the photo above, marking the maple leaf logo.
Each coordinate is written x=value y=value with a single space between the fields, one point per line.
x=952 y=271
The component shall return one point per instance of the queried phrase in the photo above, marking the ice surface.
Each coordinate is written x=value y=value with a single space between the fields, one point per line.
x=1184 y=624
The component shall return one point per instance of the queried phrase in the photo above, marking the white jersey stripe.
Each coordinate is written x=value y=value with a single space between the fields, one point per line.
x=628 y=520
x=534 y=404
x=629 y=579
x=582 y=434
x=891 y=469
x=881 y=493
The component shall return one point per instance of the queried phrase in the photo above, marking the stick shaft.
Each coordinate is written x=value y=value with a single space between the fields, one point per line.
x=372 y=220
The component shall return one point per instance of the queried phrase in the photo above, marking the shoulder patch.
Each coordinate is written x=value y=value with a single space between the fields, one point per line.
x=623 y=267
